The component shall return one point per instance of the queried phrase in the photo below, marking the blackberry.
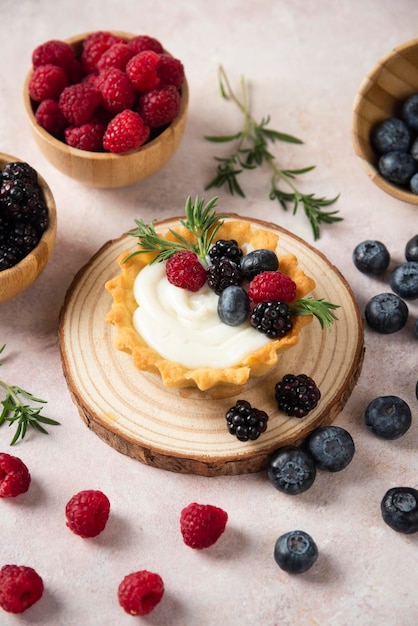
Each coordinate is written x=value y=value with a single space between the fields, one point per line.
x=20 y=170
x=10 y=255
x=4 y=229
x=272 y=318
x=246 y=422
x=296 y=395
x=223 y=274
x=24 y=236
x=225 y=248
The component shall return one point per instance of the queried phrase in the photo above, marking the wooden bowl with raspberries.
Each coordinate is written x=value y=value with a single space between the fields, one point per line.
x=28 y=225
x=385 y=123
x=106 y=108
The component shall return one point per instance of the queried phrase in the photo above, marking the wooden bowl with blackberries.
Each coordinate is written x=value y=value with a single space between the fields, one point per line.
x=107 y=109
x=28 y=225
x=385 y=123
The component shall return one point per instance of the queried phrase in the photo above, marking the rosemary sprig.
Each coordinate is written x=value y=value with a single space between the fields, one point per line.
x=200 y=219
x=321 y=309
x=19 y=414
x=252 y=150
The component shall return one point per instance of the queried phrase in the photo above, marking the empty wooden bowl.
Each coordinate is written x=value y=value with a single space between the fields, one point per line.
x=388 y=84
x=18 y=278
x=104 y=169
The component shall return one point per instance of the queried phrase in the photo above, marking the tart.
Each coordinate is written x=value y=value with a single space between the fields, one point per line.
x=175 y=370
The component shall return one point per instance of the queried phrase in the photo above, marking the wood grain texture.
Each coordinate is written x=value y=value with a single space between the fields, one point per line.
x=184 y=430
x=387 y=85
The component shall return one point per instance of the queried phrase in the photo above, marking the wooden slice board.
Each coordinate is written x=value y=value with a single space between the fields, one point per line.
x=184 y=430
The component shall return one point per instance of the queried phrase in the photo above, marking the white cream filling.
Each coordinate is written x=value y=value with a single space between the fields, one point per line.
x=185 y=327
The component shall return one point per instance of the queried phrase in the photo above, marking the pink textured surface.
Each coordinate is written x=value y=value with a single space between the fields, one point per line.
x=305 y=62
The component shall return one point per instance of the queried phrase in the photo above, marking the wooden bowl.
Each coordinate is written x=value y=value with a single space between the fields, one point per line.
x=388 y=84
x=18 y=278
x=104 y=169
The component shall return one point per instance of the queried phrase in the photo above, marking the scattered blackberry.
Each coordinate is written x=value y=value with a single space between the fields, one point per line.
x=296 y=395
x=223 y=274
x=246 y=422
x=225 y=248
x=272 y=318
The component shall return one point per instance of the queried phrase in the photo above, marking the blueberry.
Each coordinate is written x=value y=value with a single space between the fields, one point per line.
x=399 y=509
x=404 y=280
x=295 y=552
x=409 y=111
x=386 y=313
x=413 y=183
x=233 y=305
x=391 y=135
x=258 y=261
x=371 y=257
x=411 y=249
x=397 y=167
x=331 y=447
x=416 y=328
x=388 y=417
x=292 y=470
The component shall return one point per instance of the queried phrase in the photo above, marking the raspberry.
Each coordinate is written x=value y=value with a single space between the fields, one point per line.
x=116 y=56
x=14 y=476
x=54 y=52
x=20 y=588
x=47 y=82
x=296 y=395
x=269 y=286
x=160 y=106
x=140 y=592
x=78 y=103
x=145 y=42
x=116 y=90
x=223 y=274
x=49 y=116
x=272 y=318
x=142 y=70
x=184 y=270
x=87 y=513
x=126 y=131
x=86 y=137
x=95 y=45
x=246 y=422
x=202 y=524
x=170 y=71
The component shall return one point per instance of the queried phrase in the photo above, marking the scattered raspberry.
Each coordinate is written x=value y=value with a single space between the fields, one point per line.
x=160 y=106
x=20 y=588
x=116 y=56
x=14 y=476
x=142 y=70
x=170 y=71
x=86 y=137
x=47 y=82
x=54 y=52
x=49 y=116
x=202 y=524
x=270 y=286
x=78 y=103
x=116 y=89
x=145 y=42
x=126 y=131
x=140 y=592
x=95 y=45
x=184 y=270
x=87 y=513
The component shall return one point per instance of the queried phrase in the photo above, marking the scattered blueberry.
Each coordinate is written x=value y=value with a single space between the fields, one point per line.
x=411 y=249
x=404 y=280
x=391 y=135
x=399 y=509
x=386 y=313
x=371 y=257
x=331 y=447
x=409 y=111
x=397 y=167
x=416 y=327
x=292 y=470
x=388 y=417
x=295 y=552
x=258 y=261
x=233 y=305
